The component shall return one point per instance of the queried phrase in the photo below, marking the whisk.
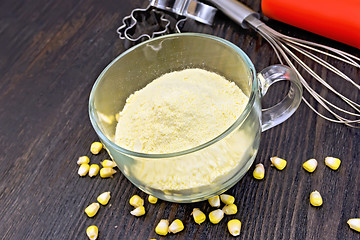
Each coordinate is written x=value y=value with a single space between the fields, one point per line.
x=286 y=47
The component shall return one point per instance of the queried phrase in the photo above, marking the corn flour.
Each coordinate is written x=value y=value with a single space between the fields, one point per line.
x=178 y=111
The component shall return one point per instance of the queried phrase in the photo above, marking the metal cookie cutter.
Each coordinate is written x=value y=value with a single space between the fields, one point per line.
x=158 y=22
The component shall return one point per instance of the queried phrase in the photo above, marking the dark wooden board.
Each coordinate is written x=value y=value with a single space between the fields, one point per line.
x=52 y=52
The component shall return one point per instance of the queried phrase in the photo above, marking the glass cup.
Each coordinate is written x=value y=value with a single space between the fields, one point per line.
x=209 y=169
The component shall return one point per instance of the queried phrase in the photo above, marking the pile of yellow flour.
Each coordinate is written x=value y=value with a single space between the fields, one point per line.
x=178 y=111
x=175 y=112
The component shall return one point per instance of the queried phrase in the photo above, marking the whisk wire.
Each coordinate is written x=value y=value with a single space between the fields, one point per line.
x=282 y=44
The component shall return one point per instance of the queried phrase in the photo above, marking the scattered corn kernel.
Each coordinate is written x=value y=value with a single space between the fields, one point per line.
x=316 y=199
x=96 y=147
x=333 y=163
x=279 y=163
x=310 y=165
x=83 y=159
x=230 y=209
x=163 y=227
x=139 y=211
x=354 y=223
x=216 y=216
x=214 y=201
x=152 y=199
x=92 y=232
x=93 y=170
x=108 y=163
x=104 y=198
x=227 y=199
x=176 y=226
x=117 y=117
x=107 y=172
x=198 y=215
x=136 y=201
x=83 y=169
x=234 y=227
x=259 y=171
x=92 y=209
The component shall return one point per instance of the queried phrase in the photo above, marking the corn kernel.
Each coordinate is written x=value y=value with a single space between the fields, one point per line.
x=176 y=226
x=117 y=116
x=227 y=199
x=230 y=209
x=107 y=172
x=234 y=227
x=93 y=170
x=354 y=223
x=316 y=199
x=83 y=159
x=96 y=147
x=259 y=171
x=83 y=169
x=136 y=201
x=214 y=201
x=198 y=215
x=92 y=232
x=92 y=209
x=139 y=211
x=104 y=198
x=152 y=199
x=310 y=165
x=163 y=227
x=216 y=216
x=279 y=163
x=333 y=163
x=108 y=163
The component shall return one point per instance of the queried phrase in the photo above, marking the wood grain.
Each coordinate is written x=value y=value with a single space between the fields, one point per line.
x=51 y=53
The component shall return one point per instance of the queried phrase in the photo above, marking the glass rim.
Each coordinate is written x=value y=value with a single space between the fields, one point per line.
x=222 y=135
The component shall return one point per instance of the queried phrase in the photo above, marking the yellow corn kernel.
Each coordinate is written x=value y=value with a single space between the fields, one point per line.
x=83 y=159
x=234 y=227
x=214 y=201
x=176 y=226
x=104 y=198
x=310 y=165
x=259 y=171
x=136 y=201
x=216 y=216
x=227 y=199
x=230 y=209
x=152 y=199
x=92 y=232
x=96 y=147
x=333 y=163
x=139 y=211
x=316 y=199
x=107 y=172
x=163 y=227
x=93 y=170
x=92 y=209
x=279 y=163
x=354 y=223
x=108 y=163
x=198 y=215
x=83 y=169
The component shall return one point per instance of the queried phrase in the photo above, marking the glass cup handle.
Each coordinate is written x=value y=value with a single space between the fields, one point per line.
x=285 y=108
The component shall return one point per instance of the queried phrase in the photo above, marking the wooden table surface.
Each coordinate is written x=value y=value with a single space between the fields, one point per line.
x=52 y=52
